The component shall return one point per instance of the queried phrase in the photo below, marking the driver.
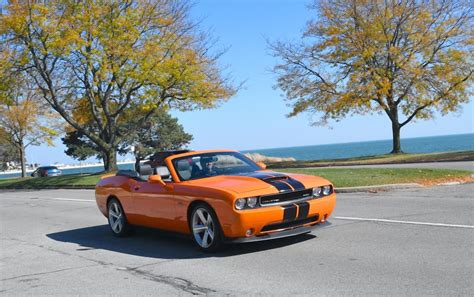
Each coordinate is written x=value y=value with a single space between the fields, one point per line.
x=207 y=165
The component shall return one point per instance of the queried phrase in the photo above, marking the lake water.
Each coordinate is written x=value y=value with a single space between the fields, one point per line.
x=449 y=143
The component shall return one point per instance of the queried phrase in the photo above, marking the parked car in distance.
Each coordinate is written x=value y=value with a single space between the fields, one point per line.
x=215 y=197
x=45 y=171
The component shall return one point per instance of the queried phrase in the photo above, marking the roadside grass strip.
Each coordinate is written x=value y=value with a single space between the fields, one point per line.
x=340 y=177
x=380 y=159
x=360 y=177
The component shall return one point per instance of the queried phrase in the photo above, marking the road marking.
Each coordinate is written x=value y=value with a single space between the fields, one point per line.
x=45 y=198
x=69 y=199
x=403 y=222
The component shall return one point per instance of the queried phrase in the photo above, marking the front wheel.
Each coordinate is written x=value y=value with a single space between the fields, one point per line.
x=117 y=221
x=205 y=228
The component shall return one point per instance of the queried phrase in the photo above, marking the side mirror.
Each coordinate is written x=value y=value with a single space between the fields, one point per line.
x=156 y=179
x=262 y=165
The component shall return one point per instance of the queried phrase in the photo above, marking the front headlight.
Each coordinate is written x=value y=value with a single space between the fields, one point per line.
x=326 y=190
x=245 y=203
x=317 y=192
x=240 y=203
x=252 y=202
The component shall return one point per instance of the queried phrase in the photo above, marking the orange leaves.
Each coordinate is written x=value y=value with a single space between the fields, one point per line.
x=25 y=120
x=412 y=57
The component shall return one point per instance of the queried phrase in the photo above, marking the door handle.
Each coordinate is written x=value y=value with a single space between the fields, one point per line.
x=136 y=188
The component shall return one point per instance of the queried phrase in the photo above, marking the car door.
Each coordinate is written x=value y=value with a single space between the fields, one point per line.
x=154 y=204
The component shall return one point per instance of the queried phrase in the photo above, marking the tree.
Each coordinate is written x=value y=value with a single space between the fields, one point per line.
x=112 y=58
x=23 y=121
x=8 y=152
x=407 y=59
x=161 y=132
x=80 y=147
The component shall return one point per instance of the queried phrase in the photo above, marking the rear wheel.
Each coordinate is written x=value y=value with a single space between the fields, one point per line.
x=117 y=221
x=205 y=228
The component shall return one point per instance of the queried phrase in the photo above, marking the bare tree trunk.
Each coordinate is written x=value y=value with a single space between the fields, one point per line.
x=137 y=163
x=110 y=160
x=22 y=160
x=396 y=146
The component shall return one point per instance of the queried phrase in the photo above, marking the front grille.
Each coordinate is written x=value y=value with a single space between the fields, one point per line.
x=285 y=197
x=290 y=224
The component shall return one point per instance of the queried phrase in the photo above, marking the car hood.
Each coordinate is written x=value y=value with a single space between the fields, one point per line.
x=267 y=181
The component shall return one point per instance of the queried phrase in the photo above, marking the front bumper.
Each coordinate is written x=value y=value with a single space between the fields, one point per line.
x=269 y=222
x=279 y=234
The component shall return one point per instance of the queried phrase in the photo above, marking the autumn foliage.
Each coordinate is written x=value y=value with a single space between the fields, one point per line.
x=97 y=63
x=407 y=59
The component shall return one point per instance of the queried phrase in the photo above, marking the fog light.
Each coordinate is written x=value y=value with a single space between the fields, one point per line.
x=249 y=232
x=326 y=190
x=240 y=203
x=324 y=219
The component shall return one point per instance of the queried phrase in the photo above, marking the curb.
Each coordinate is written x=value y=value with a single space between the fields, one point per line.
x=378 y=188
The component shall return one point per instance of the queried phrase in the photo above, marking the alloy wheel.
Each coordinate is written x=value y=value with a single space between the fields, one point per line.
x=203 y=227
x=116 y=218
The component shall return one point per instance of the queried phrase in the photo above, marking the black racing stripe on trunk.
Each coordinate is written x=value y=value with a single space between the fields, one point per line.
x=303 y=210
x=295 y=184
x=289 y=213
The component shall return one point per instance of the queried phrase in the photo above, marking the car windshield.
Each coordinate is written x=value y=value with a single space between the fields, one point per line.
x=213 y=164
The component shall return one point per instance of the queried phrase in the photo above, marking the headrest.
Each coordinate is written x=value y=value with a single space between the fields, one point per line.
x=146 y=169
x=162 y=170
x=183 y=165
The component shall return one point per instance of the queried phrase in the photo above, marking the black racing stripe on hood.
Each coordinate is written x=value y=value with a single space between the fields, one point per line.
x=282 y=182
x=295 y=184
x=281 y=186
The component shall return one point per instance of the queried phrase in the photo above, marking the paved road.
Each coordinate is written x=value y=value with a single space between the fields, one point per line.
x=459 y=165
x=52 y=243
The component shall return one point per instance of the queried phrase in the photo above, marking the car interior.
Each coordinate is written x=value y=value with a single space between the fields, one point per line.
x=145 y=171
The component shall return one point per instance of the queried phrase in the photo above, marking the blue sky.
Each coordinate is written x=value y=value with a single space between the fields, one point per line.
x=255 y=117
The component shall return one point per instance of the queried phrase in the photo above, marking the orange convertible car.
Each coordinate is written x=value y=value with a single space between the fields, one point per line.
x=216 y=196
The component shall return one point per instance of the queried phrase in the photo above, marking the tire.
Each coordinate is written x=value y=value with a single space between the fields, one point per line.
x=205 y=228
x=117 y=220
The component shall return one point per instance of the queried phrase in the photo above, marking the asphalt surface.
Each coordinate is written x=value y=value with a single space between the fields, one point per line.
x=53 y=244
x=459 y=165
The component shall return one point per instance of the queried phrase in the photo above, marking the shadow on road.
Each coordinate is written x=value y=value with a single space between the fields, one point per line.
x=160 y=244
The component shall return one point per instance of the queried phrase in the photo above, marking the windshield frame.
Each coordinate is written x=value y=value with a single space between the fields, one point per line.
x=240 y=156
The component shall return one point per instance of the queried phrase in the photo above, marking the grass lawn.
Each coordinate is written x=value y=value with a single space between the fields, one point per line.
x=355 y=177
x=340 y=177
x=67 y=181
x=382 y=159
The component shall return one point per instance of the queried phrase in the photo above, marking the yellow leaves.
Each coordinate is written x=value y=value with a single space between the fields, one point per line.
x=398 y=54
x=24 y=120
x=115 y=56
x=81 y=112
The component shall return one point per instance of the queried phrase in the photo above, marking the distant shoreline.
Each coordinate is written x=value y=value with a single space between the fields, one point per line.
x=379 y=160
x=421 y=145
x=72 y=166
x=353 y=142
